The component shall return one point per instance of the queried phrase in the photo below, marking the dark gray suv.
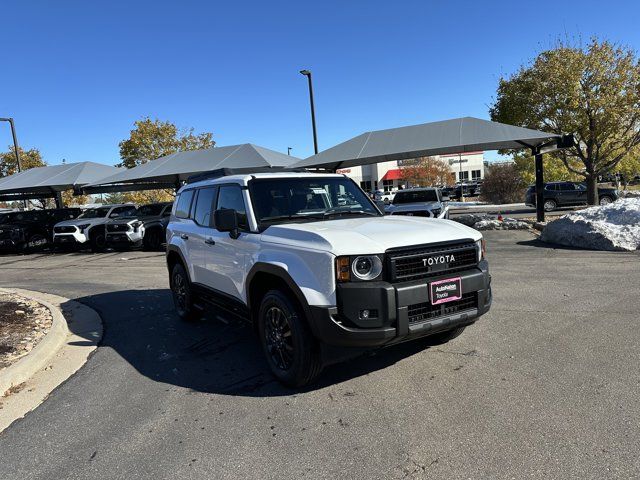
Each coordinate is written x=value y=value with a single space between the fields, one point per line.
x=568 y=194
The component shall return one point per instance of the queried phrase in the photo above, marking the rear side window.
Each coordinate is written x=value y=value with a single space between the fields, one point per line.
x=183 y=204
x=204 y=206
x=231 y=197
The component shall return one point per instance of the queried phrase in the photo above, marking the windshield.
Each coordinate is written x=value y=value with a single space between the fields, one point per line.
x=148 y=210
x=408 y=196
x=95 y=213
x=304 y=198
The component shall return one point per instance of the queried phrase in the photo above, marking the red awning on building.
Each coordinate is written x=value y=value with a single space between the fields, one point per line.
x=395 y=174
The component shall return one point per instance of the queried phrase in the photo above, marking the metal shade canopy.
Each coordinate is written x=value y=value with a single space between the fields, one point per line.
x=171 y=170
x=459 y=135
x=46 y=182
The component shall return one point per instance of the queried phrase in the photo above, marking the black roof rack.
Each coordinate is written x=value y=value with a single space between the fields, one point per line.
x=225 y=172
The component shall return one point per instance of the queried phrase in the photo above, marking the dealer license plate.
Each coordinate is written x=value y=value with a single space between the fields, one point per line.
x=448 y=290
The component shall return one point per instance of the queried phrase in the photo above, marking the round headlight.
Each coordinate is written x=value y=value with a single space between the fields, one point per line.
x=366 y=267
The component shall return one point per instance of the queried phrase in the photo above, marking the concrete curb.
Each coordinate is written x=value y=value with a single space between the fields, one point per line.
x=38 y=357
x=75 y=333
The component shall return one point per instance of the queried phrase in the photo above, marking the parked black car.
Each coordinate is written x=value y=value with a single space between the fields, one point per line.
x=567 y=194
x=146 y=226
x=31 y=230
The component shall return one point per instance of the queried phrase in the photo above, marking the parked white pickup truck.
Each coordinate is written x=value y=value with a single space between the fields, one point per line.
x=311 y=261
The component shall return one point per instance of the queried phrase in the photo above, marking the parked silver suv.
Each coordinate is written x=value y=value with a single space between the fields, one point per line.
x=419 y=202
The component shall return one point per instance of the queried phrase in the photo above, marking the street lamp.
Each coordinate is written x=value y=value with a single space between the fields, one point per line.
x=307 y=74
x=289 y=150
x=15 y=141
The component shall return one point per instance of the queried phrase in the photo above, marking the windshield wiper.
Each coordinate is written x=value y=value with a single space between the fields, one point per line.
x=349 y=212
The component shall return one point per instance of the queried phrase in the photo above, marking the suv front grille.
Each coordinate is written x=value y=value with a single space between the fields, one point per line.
x=118 y=227
x=65 y=229
x=414 y=213
x=421 y=312
x=411 y=263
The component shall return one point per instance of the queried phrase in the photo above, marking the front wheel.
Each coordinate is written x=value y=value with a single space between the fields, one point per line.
x=605 y=200
x=98 y=241
x=151 y=240
x=291 y=351
x=182 y=293
x=550 y=205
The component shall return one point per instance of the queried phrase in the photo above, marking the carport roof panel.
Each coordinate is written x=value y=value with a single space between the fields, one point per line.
x=459 y=135
x=55 y=178
x=179 y=166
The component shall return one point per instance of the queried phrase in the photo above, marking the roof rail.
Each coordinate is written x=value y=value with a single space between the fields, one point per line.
x=225 y=172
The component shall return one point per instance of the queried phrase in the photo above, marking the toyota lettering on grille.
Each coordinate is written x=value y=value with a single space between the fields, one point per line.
x=438 y=260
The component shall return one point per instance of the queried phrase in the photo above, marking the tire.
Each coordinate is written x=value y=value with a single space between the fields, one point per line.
x=289 y=347
x=98 y=241
x=182 y=293
x=444 y=337
x=550 y=205
x=152 y=240
x=605 y=200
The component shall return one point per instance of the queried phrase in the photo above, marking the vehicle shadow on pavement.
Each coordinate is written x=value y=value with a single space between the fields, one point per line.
x=536 y=242
x=212 y=355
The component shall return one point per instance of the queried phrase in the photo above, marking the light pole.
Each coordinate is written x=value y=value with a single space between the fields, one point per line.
x=307 y=74
x=289 y=150
x=15 y=141
x=15 y=146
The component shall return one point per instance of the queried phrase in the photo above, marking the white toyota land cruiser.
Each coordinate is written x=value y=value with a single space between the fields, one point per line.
x=314 y=265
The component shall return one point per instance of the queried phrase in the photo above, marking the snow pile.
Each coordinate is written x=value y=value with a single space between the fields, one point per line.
x=506 y=224
x=490 y=222
x=612 y=227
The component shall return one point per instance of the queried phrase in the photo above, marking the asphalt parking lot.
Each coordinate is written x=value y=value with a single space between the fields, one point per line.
x=544 y=386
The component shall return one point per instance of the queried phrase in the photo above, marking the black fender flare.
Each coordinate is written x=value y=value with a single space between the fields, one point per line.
x=176 y=250
x=263 y=267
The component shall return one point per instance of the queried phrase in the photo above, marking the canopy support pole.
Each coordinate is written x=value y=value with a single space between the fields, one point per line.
x=59 y=203
x=539 y=185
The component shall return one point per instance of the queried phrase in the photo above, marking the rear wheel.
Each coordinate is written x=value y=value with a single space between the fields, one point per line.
x=291 y=351
x=604 y=200
x=182 y=293
x=550 y=205
x=152 y=240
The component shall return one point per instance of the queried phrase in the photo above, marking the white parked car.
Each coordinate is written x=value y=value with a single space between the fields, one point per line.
x=419 y=202
x=382 y=196
x=89 y=228
x=314 y=273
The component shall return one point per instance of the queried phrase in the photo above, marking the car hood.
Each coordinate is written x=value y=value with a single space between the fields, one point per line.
x=352 y=236
x=148 y=218
x=82 y=221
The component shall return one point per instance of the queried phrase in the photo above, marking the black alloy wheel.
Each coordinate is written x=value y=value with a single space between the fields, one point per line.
x=279 y=339
x=292 y=353
x=181 y=292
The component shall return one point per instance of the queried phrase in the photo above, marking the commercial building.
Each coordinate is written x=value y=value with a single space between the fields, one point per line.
x=465 y=167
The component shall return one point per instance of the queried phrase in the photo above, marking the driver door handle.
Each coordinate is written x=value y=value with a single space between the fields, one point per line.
x=184 y=236
x=210 y=241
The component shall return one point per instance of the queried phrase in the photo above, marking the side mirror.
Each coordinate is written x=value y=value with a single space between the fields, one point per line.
x=226 y=220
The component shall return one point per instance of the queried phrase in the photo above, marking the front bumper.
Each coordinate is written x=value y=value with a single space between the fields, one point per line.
x=69 y=238
x=401 y=311
x=125 y=238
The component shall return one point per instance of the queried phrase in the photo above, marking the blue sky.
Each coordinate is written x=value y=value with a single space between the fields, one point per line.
x=77 y=74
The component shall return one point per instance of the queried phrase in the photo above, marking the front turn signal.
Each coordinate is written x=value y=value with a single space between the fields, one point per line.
x=343 y=269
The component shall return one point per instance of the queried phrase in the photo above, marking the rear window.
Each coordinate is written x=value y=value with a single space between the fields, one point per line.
x=416 y=196
x=183 y=204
